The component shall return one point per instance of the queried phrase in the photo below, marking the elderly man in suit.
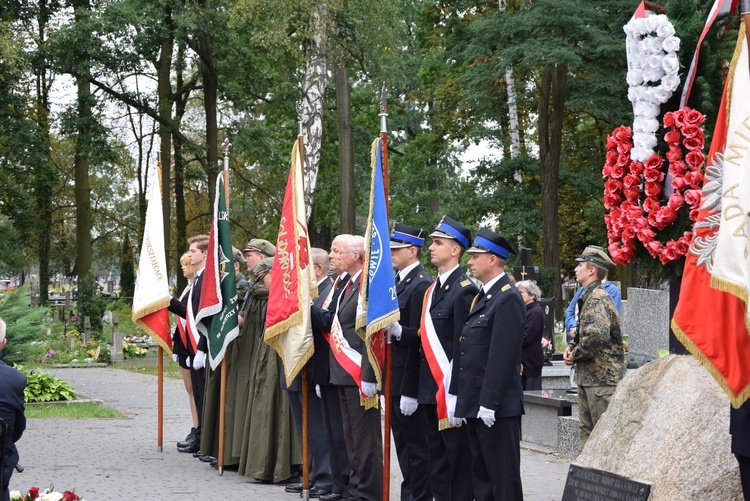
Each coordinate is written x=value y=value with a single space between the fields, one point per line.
x=485 y=373
x=12 y=384
x=351 y=372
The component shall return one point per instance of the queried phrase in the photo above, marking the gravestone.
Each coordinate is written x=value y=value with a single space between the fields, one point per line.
x=117 y=354
x=644 y=319
x=597 y=485
x=86 y=330
x=526 y=271
x=668 y=424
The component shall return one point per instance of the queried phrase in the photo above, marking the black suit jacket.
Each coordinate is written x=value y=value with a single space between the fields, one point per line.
x=347 y=313
x=449 y=308
x=180 y=308
x=12 y=384
x=739 y=427
x=532 y=354
x=487 y=365
x=405 y=364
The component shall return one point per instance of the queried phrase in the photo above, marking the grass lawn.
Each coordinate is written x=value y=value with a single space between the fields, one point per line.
x=171 y=369
x=72 y=411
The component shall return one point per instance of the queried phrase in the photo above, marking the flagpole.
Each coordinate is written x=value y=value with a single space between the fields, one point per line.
x=160 y=368
x=223 y=388
x=305 y=385
x=388 y=346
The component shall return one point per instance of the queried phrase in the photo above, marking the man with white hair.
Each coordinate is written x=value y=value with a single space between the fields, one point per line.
x=12 y=384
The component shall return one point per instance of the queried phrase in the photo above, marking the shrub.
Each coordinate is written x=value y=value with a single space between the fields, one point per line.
x=42 y=387
x=27 y=327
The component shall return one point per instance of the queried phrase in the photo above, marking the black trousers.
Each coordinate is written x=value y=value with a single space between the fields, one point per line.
x=450 y=459
x=744 y=462
x=198 y=380
x=411 y=448
x=341 y=471
x=320 y=467
x=364 y=443
x=496 y=459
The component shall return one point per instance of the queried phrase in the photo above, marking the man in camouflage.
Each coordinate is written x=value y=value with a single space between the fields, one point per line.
x=597 y=348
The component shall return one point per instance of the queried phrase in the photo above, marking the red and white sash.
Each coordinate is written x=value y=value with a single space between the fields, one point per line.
x=437 y=360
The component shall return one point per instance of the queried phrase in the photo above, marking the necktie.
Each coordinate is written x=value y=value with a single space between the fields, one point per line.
x=477 y=298
x=438 y=290
x=398 y=278
x=348 y=287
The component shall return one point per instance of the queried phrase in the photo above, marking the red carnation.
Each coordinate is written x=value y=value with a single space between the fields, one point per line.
x=646 y=234
x=653 y=247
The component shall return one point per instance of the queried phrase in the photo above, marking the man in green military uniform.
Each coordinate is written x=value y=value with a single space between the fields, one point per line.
x=240 y=280
x=597 y=348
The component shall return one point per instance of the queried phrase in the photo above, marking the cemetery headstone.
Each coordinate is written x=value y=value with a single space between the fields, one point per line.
x=117 y=354
x=86 y=330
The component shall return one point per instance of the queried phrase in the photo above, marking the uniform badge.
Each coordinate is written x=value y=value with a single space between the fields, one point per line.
x=489 y=296
x=506 y=287
x=465 y=283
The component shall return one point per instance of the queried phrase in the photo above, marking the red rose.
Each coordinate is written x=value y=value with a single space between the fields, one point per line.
x=691 y=131
x=653 y=247
x=612 y=186
x=668 y=119
x=611 y=143
x=70 y=496
x=654 y=162
x=695 y=159
x=623 y=134
x=624 y=148
x=623 y=160
x=652 y=189
x=679 y=118
x=675 y=201
x=653 y=175
x=694 y=143
x=674 y=154
x=673 y=137
x=694 y=179
x=677 y=169
x=683 y=246
x=655 y=219
x=693 y=117
x=670 y=253
x=628 y=234
x=678 y=183
x=34 y=492
x=606 y=170
x=611 y=201
x=617 y=172
x=632 y=194
x=646 y=234
x=651 y=204
x=694 y=214
x=630 y=180
x=636 y=168
x=693 y=197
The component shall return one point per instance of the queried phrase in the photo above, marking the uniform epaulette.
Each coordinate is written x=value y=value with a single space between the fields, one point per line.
x=505 y=288
x=465 y=283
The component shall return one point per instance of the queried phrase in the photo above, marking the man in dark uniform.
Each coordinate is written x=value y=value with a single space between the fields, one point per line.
x=12 y=384
x=187 y=310
x=486 y=373
x=407 y=422
x=447 y=305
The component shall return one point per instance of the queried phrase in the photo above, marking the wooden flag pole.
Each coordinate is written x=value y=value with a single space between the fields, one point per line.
x=388 y=346
x=305 y=384
x=160 y=372
x=223 y=385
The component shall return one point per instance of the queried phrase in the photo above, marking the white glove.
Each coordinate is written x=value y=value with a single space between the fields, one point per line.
x=452 y=419
x=187 y=361
x=369 y=389
x=317 y=390
x=174 y=357
x=486 y=415
x=408 y=405
x=395 y=329
x=200 y=360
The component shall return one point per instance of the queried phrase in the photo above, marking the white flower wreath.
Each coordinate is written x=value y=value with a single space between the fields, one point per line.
x=652 y=76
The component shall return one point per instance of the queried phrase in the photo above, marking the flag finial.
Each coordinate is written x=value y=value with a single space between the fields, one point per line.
x=383 y=109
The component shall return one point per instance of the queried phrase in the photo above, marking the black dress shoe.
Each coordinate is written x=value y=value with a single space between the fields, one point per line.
x=195 y=446
x=206 y=458
x=186 y=442
x=316 y=492
x=293 y=488
x=330 y=497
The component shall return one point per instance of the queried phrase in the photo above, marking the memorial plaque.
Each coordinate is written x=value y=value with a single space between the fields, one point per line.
x=587 y=484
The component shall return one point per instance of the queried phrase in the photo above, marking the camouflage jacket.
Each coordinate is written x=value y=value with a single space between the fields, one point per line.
x=597 y=348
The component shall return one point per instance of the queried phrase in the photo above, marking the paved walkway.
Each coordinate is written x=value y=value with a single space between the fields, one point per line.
x=118 y=458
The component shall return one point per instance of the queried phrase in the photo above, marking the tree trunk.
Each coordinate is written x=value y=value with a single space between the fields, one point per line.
x=515 y=138
x=81 y=161
x=164 y=92
x=551 y=110
x=347 y=209
x=313 y=98
x=179 y=167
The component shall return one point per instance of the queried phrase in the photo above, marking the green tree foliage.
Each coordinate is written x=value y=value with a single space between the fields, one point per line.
x=91 y=304
x=127 y=268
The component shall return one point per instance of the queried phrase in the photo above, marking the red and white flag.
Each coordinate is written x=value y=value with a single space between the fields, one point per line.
x=712 y=318
x=151 y=296
x=293 y=284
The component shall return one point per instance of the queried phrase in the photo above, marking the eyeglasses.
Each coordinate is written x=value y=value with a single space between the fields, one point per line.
x=339 y=252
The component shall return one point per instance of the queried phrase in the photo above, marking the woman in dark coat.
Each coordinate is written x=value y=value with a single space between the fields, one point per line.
x=532 y=353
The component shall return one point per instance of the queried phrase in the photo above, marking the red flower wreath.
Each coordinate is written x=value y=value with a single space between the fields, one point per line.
x=632 y=189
